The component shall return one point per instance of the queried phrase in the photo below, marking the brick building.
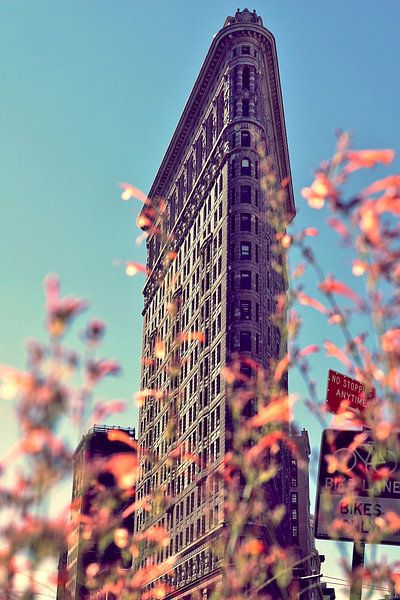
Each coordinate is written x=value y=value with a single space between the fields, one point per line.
x=301 y=521
x=94 y=492
x=210 y=260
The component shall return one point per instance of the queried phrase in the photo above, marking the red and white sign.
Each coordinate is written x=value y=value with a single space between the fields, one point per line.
x=342 y=388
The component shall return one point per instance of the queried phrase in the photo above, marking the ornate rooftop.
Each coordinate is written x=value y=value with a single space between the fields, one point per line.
x=244 y=16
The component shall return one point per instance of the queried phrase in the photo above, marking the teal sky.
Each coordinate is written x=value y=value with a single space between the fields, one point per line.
x=90 y=94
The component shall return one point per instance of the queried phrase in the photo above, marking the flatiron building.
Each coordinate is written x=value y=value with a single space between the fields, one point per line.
x=210 y=293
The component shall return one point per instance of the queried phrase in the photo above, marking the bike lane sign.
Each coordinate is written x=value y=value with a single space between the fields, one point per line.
x=358 y=493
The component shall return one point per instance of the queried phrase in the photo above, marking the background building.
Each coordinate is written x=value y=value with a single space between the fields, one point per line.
x=301 y=522
x=210 y=258
x=95 y=493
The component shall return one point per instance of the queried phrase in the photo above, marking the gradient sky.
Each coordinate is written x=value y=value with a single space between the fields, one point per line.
x=90 y=94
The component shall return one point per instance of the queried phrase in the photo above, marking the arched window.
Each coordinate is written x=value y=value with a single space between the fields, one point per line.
x=245 y=167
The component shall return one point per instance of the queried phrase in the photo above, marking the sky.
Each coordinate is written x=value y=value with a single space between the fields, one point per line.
x=90 y=95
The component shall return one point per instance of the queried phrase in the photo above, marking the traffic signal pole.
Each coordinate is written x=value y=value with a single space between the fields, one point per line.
x=356 y=570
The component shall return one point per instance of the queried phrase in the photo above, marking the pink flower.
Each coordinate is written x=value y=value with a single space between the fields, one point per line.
x=322 y=189
x=334 y=286
x=391 y=341
x=60 y=311
x=94 y=331
x=101 y=367
x=361 y=159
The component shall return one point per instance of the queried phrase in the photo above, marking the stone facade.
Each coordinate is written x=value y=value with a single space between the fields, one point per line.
x=210 y=254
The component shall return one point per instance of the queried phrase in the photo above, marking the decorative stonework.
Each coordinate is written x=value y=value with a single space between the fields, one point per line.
x=244 y=16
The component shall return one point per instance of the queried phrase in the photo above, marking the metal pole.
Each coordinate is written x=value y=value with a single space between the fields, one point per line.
x=356 y=570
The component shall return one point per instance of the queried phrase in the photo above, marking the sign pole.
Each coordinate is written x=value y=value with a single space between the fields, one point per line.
x=356 y=570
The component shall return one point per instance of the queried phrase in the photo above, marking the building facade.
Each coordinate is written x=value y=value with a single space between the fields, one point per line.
x=301 y=521
x=211 y=291
x=95 y=493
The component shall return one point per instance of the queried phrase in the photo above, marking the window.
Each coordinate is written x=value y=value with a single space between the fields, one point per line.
x=233 y=168
x=233 y=222
x=256 y=169
x=245 y=167
x=245 y=139
x=189 y=175
x=245 y=280
x=245 y=107
x=245 y=250
x=220 y=112
x=245 y=49
x=245 y=194
x=245 y=341
x=246 y=78
x=257 y=253
x=245 y=222
x=245 y=310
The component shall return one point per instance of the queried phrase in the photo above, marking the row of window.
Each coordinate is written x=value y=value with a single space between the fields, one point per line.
x=192 y=569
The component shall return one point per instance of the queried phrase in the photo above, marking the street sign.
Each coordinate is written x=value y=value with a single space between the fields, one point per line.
x=358 y=494
x=342 y=388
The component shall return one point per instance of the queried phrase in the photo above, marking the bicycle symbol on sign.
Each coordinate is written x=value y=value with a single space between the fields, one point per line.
x=367 y=457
